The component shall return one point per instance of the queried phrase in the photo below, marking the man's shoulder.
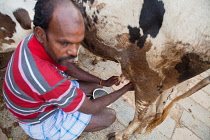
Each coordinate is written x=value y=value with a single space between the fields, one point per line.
x=35 y=71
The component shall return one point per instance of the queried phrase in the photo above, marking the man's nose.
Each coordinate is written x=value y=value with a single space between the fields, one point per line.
x=73 y=49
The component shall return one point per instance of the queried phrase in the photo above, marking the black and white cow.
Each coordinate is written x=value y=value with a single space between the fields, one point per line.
x=159 y=43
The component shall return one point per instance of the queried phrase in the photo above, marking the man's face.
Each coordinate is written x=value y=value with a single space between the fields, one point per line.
x=64 y=35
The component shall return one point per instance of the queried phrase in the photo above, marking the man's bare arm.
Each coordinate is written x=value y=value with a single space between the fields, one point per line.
x=80 y=74
x=92 y=106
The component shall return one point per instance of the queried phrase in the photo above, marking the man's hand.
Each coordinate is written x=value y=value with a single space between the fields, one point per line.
x=92 y=106
x=129 y=86
x=111 y=81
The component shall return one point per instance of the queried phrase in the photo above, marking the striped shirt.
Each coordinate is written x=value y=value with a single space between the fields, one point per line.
x=35 y=87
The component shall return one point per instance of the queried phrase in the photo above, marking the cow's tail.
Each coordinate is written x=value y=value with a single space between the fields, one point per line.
x=166 y=110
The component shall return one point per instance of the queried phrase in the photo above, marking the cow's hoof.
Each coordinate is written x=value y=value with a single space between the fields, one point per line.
x=117 y=136
x=111 y=136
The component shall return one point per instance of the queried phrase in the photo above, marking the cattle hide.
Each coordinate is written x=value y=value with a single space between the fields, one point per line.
x=15 y=24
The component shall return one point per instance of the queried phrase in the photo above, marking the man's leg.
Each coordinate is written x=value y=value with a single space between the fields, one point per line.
x=101 y=120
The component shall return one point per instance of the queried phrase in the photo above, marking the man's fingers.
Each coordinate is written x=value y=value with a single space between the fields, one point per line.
x=116 y=77
x=122 y=78
x=117 y=83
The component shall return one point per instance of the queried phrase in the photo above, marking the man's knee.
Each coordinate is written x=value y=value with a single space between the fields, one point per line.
x=111 y=116
x=101 y=120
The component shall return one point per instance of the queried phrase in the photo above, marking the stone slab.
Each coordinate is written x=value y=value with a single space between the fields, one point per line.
x=125 y=113
x=207 y=89
x=201 y=98
x=154 y=135
x=183 y=134
x=196 y=126
x=196 y=110
x=167 y=127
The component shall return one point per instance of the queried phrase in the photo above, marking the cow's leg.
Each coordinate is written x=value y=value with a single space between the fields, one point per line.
x=124 y=134
x=141 y=108
x=151 y=113
x=155 y=110
x=166 y=110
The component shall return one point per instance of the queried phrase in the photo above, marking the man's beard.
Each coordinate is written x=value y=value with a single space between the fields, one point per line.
x=62 y=61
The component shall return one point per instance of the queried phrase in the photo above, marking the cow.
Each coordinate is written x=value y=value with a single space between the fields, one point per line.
x=158 y=43
x=15 y=24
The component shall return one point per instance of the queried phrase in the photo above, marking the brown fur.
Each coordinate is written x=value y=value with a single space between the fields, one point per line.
x=7 y=29
x=23 y=18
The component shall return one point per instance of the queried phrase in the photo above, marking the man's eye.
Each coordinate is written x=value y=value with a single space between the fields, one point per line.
x=64 y=44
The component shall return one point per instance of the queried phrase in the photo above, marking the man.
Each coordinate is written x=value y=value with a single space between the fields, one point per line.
x=36 y=90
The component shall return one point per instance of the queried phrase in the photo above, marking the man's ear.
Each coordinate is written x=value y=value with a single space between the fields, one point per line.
x=40 y=35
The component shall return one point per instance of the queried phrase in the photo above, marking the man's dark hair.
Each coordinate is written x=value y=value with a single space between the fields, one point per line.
x=43 y=13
